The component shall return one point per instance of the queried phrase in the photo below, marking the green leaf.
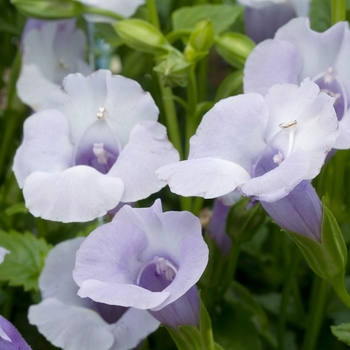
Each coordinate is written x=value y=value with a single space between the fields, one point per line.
x=221 y=16
x=320 y=15
x=22 y=266
x=342 y=332
x=231 y=85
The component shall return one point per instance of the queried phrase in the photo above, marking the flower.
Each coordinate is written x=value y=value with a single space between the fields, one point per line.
x=297 y=52
x=62 y=313
x=99 y=144
x=262 y=146
x=146 y=259
x=125 y=8
x=10 y=338
x=3 y=252
x=264 y=17
x=50 y=51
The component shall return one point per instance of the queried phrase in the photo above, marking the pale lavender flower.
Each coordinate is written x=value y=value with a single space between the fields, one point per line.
x=145 y=259
x=125 y=8
x=71 y=322
x=264 y=17
x=3 y=252
x=297 y=52
x=98 y=145
x=10 y=338
x=262 y=146
x=50 y=51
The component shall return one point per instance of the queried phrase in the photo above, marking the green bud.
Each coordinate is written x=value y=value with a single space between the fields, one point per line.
x=174 y=70
x=49 y=9
x=234 y=48
x=200 y=41
x=243 y=222
x=328 y=257
x=142 y=36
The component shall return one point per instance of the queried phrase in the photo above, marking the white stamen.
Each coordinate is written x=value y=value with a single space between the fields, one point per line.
x=100 y=153
x=329 y=75
x=278 y=158
x=289 y=126
x=163 y=266
x=101 y=112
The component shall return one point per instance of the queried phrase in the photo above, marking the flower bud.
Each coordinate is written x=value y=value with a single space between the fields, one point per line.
x=49 y=9
x=142 y=36
x=234 y=48
x=200 y=41
x=174 y=70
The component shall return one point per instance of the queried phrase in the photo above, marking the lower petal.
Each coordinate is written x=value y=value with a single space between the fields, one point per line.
x=203 y=177
x=79 y=194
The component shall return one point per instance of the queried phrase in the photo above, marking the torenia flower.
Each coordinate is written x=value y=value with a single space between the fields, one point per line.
x=297 y=52
x=62 y=313
x=145 y=259
x=50 y=51
x=262 y=146
x=3 y=252
x=10 y=338
x=99 y=144
x=125 y=8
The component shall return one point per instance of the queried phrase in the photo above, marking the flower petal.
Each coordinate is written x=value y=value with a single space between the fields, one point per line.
x=80 y=194
x=123 y=99
x=60 y=262
x=61 y=323
x=277 y=183
x=117 y=268
x=232 y=130
x=271 y=62
x=318 y=50
x=204 y=177
x=147 y=150
x=3 y=253
x=46 y=145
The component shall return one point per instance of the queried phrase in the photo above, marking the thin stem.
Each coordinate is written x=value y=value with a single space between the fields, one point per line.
x=287 y=288
x=338 y=11
x=318 y=299
x=152 y=13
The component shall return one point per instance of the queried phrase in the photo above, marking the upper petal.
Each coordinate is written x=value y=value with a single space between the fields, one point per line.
x=318 y=50
x=232 y=130
x=123 y=101
x=203 y=177
x=271 y=62
x=80 y=194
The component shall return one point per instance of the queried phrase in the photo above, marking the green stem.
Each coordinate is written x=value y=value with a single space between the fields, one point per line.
x=315 y=318
x=338 y=11
x=152 y=13
x=102 y=12
x=287 y=288
x=339 y=287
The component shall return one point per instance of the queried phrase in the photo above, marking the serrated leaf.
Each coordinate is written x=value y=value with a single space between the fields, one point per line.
x=221 y=16
x=320 y=15
x=22 y=266
x=342 y=332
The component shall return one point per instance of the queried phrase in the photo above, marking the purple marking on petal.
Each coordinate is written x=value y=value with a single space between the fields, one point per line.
x=10 y=338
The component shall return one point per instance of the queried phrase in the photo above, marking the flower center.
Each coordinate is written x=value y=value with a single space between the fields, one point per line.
x=157 y=274
x=276 y=150
x=329 y=82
